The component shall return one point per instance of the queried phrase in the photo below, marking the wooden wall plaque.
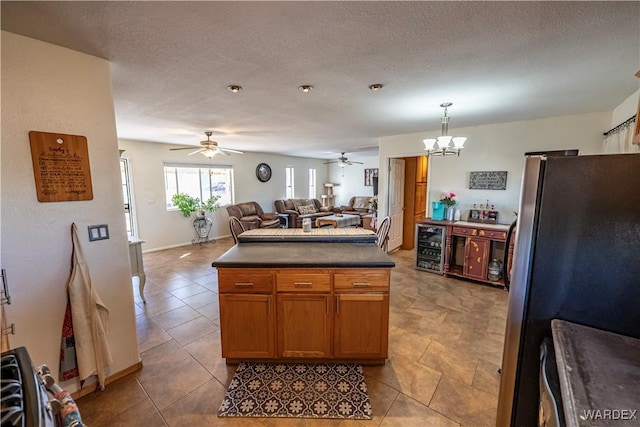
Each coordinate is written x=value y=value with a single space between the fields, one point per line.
x=60 y=167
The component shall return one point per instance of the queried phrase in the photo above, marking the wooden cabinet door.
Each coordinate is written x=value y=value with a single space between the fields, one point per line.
x=422 y=168
x=476 y=258
x=247 y=326
x=304 y=327
x=420 y=208
x=361 y=325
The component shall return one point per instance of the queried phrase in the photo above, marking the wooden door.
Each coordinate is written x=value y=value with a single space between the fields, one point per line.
x=476 y=258
x=304 y=328
x=247 y=326
x=361 y=325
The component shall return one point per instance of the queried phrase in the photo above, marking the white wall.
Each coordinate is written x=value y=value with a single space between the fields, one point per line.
x=52 y=89
x=350 y=179
x=494 y=147
x=625 y=110
x=160 y=228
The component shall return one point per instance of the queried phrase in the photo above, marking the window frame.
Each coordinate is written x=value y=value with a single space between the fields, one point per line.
x=198 y=169
x=289 y=182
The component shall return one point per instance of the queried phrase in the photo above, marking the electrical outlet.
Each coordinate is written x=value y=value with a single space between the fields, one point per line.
x=98 y=232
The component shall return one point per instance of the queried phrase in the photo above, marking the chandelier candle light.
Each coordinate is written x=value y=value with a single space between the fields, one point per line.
x=441 y=146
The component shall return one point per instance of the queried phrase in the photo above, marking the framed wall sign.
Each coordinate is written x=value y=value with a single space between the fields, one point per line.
x=488 y=180
x=60 y=167
x=369 y=174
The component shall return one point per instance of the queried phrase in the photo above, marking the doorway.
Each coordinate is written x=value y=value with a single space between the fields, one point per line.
x=396 y=202
x=126 y=194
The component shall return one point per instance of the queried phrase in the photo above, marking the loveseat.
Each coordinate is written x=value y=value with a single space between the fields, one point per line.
x=299 y=209
x=358 y=205
x=252 y=216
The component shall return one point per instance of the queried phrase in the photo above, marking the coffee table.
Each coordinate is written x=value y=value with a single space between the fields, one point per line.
x=339 y=221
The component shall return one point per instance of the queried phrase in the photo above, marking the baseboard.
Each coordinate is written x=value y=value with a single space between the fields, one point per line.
x=178 y=245
x=110 y=379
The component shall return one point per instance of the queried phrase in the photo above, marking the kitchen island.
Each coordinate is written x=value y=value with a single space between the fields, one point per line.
x=288 y=301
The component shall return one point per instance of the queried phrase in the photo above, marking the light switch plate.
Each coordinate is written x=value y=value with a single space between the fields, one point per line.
x=98 y=232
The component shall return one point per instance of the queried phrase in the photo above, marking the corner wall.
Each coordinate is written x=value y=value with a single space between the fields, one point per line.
x=52 y=89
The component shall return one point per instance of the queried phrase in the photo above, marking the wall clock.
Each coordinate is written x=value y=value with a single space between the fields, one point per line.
x=263 y=172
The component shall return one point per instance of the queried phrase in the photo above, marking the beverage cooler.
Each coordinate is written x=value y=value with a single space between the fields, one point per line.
x=430 y=243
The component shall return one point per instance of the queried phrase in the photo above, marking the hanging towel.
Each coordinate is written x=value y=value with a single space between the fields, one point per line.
x=90 y=319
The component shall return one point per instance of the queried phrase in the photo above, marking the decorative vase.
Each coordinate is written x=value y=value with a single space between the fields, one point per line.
x=495 y=270
x=451 y=210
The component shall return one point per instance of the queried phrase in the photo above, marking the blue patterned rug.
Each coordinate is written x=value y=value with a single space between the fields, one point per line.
x=297 y=390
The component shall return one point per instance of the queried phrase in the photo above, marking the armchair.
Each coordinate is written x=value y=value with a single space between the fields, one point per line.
x=252 y=216
x=358 y=205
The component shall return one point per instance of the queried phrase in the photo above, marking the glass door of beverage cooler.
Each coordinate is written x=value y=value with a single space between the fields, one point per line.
x=430 y=248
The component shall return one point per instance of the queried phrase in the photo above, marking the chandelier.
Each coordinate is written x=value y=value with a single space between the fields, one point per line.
x=444 y=145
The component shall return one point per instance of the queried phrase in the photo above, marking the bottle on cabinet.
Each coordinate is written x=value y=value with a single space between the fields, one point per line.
x=484 y=212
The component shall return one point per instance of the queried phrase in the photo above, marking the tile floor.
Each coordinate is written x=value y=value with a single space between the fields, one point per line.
x=445 y=347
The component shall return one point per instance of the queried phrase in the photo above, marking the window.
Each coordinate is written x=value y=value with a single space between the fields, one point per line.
x=312 y=183
x=289 y=182
x=199 y=181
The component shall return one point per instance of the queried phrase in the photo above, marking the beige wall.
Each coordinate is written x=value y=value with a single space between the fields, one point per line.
x=160 y=228
x=625 y=110
x=495 y=147
x=52 y=89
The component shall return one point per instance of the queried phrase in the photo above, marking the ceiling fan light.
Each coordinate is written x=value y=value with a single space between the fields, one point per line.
x=458 y=142
x=209 y=153
x=429 y=143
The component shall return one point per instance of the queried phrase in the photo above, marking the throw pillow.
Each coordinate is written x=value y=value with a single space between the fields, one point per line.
x=306 y=209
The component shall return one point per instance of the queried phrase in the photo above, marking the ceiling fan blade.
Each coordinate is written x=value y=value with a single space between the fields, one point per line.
x=195 y=152
x=330 y=161
x=354 y=162
x=183 y=148
x=228 y=150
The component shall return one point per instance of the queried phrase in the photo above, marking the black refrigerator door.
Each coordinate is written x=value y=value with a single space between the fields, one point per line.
x=585 y=262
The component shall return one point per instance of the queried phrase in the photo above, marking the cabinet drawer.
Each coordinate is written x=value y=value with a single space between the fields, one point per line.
x=244 y=280
x=303 y=282
x=492 y=234
x=464 y=231
x=361 y=280
x=480 y=232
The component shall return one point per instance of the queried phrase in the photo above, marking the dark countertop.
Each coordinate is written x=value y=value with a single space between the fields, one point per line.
x=313 y=255
x=598 y=370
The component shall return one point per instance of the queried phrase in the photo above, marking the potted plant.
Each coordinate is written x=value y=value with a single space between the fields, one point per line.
x=188 y=205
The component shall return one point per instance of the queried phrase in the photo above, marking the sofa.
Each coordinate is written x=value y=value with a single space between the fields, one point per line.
x=252 y=216
x=299 y=209
x=358 y=205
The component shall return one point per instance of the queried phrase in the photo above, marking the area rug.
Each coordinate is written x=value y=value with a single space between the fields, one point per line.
x=297 y=390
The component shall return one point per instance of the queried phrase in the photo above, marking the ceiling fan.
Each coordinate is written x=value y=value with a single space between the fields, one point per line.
x=342 y=161
x=209 y=148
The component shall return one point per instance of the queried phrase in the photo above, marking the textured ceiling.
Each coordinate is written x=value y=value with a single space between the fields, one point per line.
x=496 y=61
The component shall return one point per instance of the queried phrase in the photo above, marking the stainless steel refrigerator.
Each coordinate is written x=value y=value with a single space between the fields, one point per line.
x=577 y=258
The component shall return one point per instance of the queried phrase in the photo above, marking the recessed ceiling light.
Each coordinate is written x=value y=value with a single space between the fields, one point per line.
x=375 y=87
x=305 y=88
x=234 y=88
